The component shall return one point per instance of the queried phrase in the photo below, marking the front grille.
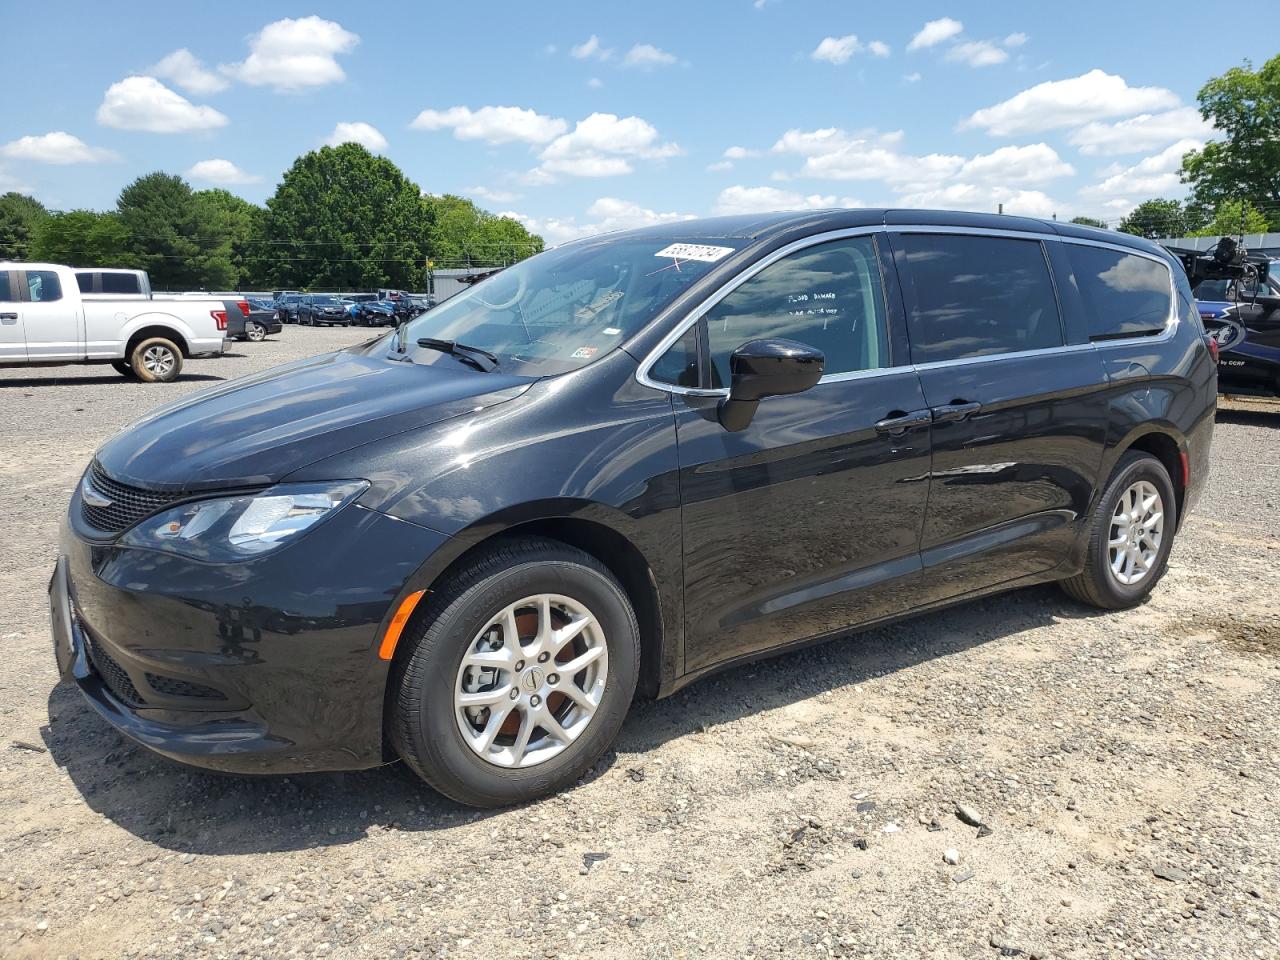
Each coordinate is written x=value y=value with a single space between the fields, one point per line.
x=173 y=687
x=112 y=674
x=128 y=504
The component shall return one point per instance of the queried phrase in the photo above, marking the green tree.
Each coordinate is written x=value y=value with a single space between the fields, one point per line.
x=20 y=217
x=160 y=214
x=1090 y=222
x=229 y=227
x=1244 y=105
x=1159 y=218
x=343 y=218
x=83 y=238
x=1227 y=221
x=461 y=234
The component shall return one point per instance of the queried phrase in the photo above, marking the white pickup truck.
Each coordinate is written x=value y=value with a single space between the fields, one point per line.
x=44 y=320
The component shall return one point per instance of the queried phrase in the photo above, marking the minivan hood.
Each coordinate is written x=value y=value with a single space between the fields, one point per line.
x=258 y=429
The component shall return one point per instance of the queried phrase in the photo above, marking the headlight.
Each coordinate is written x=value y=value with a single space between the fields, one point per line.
x=240 y=528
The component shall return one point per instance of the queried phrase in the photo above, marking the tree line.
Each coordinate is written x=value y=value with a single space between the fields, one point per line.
x=340 y=219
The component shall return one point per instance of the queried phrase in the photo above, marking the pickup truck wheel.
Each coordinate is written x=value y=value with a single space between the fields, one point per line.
x=255 y=331
x=156 y=360
x=123 y=368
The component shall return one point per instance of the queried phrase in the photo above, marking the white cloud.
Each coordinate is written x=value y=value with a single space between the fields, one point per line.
x=720 y=166
x=187 y=71
x=603 y=145
x=740 y=153
x=595 y=83
x=1156 y=175
x=646 y=56
x=590 y=49
x=292 y=55
x=1015 y=39
x=1091 y=96
x=553 y=230
x=144 y=103
x=495 y=196
x=837 y=49
x=1034 y=163
x=492 y=124
x=365 y=134
x=935 y=32
x=976 y=53
x=605 y=214
x=834 y=154
x=56 y=147
x=219 y=171
x=1141 y=133
x=740 y=199
x=967 y=196
x=911 y=77
x=878 y=48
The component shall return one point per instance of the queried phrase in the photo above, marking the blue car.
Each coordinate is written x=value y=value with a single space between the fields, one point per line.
x=1245 y=322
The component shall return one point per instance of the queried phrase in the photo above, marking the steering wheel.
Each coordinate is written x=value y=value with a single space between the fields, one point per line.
x=522 y=284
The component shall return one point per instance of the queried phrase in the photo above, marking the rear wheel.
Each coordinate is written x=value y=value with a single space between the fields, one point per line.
x=255 y=331
x=520 y=676
x=1131 y=535
x=156 y=360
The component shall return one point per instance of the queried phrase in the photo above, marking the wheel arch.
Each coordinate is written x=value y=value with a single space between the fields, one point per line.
x=147 y=331
x=1165 y=444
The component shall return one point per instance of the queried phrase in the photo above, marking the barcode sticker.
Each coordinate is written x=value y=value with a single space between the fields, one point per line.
x=694 y=251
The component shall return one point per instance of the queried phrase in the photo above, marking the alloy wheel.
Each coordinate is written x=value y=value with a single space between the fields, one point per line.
x=158 y=360
x=1137 y=527
x=531 y=680
x=255 y=331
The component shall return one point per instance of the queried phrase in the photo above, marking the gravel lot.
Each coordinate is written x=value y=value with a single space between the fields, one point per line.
x=1127 y=767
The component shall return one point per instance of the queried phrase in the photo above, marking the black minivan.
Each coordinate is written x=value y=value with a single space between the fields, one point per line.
x=619 y=465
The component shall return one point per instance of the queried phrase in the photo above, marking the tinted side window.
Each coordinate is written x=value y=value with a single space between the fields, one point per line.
x=8 y=293
x=120 y=283
x=1124 y=294
x=84 y=280
x=679 y=365
x=976 y=296
x=829 y=296
x=44 y=286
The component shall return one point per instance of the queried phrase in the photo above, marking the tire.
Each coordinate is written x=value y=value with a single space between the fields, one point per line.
x=255 y=332
x=1098 y=584
x=156 y=360
x=124 y=368
x=425 y=724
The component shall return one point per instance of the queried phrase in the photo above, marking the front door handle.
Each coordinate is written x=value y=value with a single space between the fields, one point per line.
x=8 y=316
x=955 y=412
x=898 y=423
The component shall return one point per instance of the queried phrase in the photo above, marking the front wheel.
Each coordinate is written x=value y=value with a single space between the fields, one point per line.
x=123 y=367
x=520 y=676
x=1130 y=535
x=156 y=360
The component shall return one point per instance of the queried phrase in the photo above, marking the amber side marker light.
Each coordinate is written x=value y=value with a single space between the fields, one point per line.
x=396 y=626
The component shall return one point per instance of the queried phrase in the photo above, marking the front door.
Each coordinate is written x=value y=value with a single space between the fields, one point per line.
x=807 y=521
x=13 y=343
x=52 y=319
x=1019 y=416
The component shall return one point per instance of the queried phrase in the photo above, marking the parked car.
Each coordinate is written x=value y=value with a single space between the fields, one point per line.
x=1244 y=319
x=113 y=284
x=623 y=464
x=323 y=311
x=45 y=320
x=287 y=305
x=252 y=319
x=375 y=313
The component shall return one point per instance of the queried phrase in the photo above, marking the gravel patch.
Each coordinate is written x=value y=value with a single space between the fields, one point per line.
x=1059 y=783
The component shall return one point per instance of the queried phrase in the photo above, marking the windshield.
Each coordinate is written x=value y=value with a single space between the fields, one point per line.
x=567 y=307
x=325 y=302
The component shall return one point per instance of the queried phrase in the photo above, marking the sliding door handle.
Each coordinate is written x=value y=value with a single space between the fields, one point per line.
x=898 y=423
x=955 y=412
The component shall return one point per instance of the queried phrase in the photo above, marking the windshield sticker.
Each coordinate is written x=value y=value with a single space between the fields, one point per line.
x=694 y=251
x=590 y=311
x=584 y=353
x=611 y=331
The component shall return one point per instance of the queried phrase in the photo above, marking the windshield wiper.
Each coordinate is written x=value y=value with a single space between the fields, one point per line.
x=478 y=358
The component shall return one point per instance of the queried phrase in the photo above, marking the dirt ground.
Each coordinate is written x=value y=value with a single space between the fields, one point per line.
x=1126 y=767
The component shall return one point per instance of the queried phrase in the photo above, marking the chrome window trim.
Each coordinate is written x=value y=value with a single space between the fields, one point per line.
x=698 y=312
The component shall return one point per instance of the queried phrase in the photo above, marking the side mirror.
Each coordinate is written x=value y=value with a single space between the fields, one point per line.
x=767 y=368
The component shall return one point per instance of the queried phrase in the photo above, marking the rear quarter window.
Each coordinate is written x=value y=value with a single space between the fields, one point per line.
x=120 y=283
x=84 y=281
x=1125 y=295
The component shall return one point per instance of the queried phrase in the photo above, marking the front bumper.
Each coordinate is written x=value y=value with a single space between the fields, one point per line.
x=269 y=666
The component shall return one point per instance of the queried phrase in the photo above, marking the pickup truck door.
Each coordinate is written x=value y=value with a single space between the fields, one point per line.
x=13 y=343
x=51 y=316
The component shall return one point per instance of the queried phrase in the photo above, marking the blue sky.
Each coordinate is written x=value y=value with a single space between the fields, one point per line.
x=580 y=116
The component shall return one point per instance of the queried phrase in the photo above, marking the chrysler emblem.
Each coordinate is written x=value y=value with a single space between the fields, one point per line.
x=91 y=496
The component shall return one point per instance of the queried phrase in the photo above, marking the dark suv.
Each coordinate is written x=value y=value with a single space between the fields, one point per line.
x=620 y=465
x=318 y=311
